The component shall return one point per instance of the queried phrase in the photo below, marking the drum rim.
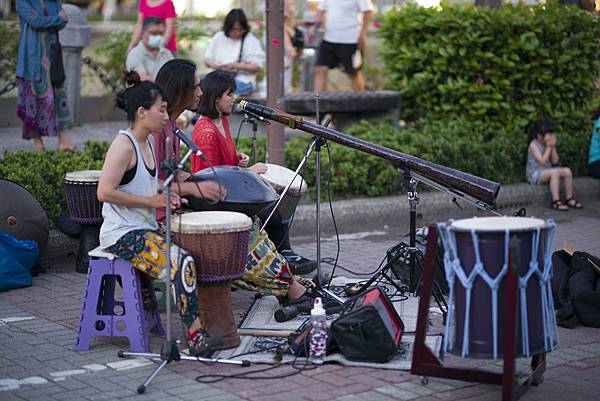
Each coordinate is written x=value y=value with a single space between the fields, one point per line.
x=538 y=223
x=182 y=227
x=70 y=176
x=294 y=188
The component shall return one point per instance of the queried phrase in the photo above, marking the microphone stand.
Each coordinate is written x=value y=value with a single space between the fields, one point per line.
x=316 y=144
x=169 y=351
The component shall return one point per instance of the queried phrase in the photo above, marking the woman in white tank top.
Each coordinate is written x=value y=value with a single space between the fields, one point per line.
x=128 y=188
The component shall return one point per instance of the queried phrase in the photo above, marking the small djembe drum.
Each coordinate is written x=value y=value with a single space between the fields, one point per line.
x=476 y=260
x=279 y=177
x=218 y=241
x=85 y=209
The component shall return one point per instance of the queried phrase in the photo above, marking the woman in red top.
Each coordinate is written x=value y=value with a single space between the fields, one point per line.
x=211 y=132
x=212 y=136
x=163 y=9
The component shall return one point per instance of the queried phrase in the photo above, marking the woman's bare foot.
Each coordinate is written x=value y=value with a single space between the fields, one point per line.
x=38 y=143
x=64 y=142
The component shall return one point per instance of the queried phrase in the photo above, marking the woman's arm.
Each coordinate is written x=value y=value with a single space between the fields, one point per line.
x=137 y=32
x=118 y=158
x=169 y=30
x=207 y=141
x=535 y=151
x=554 y=156
x=248 y=67
x=36 y=20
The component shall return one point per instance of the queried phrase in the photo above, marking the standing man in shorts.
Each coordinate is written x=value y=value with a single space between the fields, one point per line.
x=346 y=24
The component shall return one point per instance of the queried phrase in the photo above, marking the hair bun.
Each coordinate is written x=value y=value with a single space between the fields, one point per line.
x=131 y=78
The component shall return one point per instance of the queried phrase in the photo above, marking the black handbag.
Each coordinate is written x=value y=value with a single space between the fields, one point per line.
x=57 y=69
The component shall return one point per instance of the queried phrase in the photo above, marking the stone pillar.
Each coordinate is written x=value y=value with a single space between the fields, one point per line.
x=74 y=37
x=275 y=132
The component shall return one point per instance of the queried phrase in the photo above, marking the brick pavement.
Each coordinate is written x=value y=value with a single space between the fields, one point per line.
x=37 y=361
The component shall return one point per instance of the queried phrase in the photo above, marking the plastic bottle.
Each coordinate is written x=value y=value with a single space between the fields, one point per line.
x=318 y=333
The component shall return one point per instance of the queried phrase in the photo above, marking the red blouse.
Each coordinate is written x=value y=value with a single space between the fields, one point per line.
x=218 y=150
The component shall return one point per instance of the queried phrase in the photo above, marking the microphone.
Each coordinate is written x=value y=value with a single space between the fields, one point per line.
x=272 y=114
x=188 y=142
x=238 y=109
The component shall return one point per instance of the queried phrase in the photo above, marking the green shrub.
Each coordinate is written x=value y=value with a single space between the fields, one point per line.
x=514 y=64
x=42 y=173
x=9 y=48
x=493 y=151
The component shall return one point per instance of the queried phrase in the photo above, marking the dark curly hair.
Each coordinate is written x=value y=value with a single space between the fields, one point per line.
x=137 y=93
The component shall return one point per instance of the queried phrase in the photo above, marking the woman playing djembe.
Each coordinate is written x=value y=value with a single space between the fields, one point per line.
x=128 y=187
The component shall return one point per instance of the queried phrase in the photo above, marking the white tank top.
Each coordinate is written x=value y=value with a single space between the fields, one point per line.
x=119 y=220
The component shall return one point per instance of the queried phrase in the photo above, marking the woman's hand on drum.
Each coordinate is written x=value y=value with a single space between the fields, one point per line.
x=243 y=160
x=259 y=168
x=160 y=200
x=210 y=190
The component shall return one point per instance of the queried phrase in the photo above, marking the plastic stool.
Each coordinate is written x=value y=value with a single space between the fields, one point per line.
x=103 y=315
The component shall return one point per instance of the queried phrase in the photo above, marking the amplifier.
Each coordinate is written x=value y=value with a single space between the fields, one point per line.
x=369 y=329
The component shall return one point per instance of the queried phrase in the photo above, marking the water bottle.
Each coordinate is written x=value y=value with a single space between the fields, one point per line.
x=318 y=333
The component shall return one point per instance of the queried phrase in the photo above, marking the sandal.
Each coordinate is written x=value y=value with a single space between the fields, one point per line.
x=201 y=344
x=558 y=205
x=574 y=203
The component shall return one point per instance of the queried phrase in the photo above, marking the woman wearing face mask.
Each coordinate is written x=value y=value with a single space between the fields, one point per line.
x=236 y=51
x=163 y=9
x=128 y=187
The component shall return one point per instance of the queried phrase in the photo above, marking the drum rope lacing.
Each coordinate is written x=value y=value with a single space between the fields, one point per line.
x=454 y=269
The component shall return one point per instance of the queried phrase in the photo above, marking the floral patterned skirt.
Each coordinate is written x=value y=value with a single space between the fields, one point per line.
x=42 y=108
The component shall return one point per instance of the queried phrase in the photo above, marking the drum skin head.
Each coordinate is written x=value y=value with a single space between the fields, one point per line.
x=497 y=223
x=247 y=192
x=211 y=222
x=83 y=176
x=21 y=215
x=279 y=176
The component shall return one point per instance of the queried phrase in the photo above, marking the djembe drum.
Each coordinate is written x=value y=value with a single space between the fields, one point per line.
x=218 y=241
x=85 y=209
x=279 y=177
x=476 y=261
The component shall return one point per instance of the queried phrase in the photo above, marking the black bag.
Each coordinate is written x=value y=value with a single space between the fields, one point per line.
x=578 y=289
x=298 y=40
x=399 y=257
x=57 y=69
x=369 y=329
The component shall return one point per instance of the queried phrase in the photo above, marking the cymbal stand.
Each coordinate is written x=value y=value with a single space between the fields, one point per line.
x=169 y=351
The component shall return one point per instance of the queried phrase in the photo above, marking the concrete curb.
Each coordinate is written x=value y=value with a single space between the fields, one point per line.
x=387 y=211
x=433 y=206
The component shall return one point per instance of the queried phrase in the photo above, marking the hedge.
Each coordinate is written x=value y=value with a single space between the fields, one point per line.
x=514 y=64
x=494 y=152
x=42 y=173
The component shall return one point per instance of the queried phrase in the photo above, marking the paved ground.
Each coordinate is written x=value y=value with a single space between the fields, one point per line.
x=38 y=329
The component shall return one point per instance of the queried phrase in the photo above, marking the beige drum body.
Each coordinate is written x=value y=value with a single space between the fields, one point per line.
x=477 y=255
x=279 y=177
x=218 y=241
x=82 y=200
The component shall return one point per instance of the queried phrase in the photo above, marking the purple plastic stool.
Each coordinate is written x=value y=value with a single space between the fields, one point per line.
x=103 y=315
